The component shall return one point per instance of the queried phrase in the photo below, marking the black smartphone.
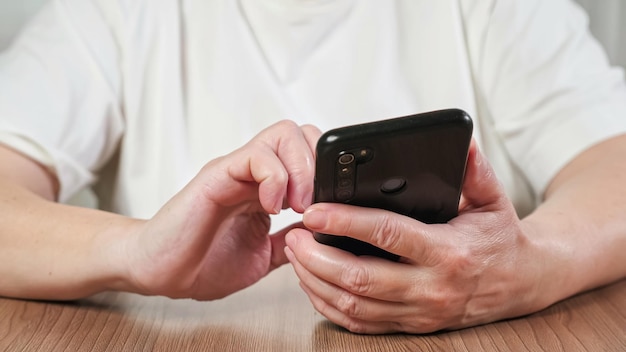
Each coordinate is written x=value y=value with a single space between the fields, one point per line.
x=412 y=165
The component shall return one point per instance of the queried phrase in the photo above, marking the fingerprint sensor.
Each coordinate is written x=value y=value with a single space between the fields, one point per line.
x=393 y=185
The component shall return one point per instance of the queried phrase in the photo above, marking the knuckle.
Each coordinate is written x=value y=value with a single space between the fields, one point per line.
x=386 y=233
x=281 y=176
x=311 y=129
x=442 y=302
x=356 y=327
x=459 y=256
x=445 y=306
x=275 y=134
x=286 y=126
x=429 y=325
x=460 y=264
x=357 y=279
x=348 y=304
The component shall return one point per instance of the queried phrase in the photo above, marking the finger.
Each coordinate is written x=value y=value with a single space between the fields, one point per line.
x=293 y=149
x=354 y=325
x=312 y=135
x=257 y=168
x=362 y=276
x=277 y=240
x=392 y=232
x=280 y=161
x=349 y=304
x=481 y=187
x=427 y=312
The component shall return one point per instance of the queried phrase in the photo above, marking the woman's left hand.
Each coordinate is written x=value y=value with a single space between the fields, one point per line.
x=479 y=267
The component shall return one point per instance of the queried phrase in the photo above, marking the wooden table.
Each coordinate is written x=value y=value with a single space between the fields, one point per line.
x=274 y=315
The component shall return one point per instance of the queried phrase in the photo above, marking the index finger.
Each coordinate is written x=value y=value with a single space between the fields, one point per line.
x=294 y=147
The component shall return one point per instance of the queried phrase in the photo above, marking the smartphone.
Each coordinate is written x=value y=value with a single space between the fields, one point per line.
x=412 y=165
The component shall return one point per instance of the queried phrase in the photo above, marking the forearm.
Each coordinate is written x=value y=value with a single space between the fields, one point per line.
x=581 y=227
x=58 y=252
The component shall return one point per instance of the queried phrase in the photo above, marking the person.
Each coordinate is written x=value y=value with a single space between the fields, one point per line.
x=194 y=123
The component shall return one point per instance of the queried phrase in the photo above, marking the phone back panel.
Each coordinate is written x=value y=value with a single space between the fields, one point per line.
x=412 y=165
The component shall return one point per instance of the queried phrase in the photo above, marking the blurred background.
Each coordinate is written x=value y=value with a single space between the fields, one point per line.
x=607 y=18
x=13 y=14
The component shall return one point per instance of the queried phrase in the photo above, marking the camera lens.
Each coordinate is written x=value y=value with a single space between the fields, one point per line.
x=346 y=159
x=343 y=195
x=345 y=182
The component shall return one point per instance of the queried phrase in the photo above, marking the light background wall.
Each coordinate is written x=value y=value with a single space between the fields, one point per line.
x=608 y=22
x=13 y=14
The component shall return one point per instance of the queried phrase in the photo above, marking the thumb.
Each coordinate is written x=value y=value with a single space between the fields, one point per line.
x=481 y=187
x=277 y=239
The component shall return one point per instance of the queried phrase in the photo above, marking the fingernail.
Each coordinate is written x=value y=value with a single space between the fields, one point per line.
x=290 y=239
x=479 y=157
x=315 y=218
x=306 y=201
x=289 y=254
x=278 y=206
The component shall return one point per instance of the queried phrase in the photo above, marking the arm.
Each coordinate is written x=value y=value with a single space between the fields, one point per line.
x=582 y=223
x=51 y=251
x=547 y=96
x=483 y=266
x=209 y=240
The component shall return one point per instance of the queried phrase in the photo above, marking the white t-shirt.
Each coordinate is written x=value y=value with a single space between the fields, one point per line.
x=134 y=96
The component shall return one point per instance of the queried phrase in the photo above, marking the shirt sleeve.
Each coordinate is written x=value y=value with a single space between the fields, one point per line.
x=59 y=92
x=547 y=84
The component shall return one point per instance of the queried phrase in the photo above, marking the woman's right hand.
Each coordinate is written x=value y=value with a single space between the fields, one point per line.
x=211 y=239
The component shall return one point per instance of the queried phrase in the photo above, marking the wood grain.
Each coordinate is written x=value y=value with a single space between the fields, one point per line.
x=274 y=315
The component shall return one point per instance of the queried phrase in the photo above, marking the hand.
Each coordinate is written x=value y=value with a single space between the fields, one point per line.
x=475 y=269
x=212 y=238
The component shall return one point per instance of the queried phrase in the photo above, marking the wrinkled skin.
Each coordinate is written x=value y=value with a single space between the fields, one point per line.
x=466 y=272
x=212 y=238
